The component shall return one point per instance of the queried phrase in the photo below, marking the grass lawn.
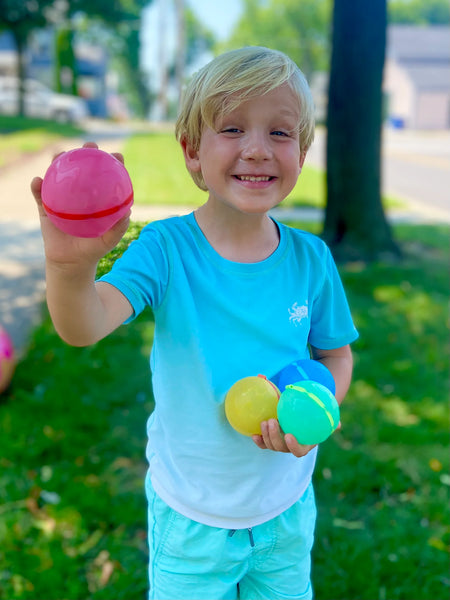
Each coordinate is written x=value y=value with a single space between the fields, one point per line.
x=154 y=161
x=156 y=166
x=21 y=136
x=72 y=508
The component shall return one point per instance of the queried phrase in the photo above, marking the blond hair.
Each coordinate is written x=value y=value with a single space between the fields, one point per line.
x=232 y=78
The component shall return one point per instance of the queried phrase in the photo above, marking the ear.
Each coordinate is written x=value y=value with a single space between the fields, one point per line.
x=191 y=157
x=302 y=160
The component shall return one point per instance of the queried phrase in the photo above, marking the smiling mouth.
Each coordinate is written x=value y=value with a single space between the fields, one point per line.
x=254 y=178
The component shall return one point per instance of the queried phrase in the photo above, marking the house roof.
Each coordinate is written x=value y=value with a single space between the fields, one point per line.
x=419 y=43
x=424 y=52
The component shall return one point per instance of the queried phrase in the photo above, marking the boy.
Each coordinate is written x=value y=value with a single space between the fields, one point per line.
x=234 y=293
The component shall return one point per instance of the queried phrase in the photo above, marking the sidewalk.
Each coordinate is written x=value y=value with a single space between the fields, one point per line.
x=22 y=283
x=22 y=273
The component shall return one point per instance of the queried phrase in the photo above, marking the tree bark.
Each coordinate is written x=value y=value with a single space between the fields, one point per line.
x=163 y=98
x=20 y=40
x=180 y=59
x=65 y=62
x=355 y=224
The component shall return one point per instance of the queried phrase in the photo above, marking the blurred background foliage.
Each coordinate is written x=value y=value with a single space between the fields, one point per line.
x=301 y=29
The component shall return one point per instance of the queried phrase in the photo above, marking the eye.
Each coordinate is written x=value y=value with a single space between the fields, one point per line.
x=230 y=130
x=279 y=133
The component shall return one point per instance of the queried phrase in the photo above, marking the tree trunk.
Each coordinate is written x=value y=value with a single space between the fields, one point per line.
x=355 y=225
x=20 y=41
x=163 y=99
x=180 y=59
x=65 y=62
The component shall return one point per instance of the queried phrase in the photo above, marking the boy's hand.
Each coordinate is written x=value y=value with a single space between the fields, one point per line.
x=64 y=249
x=273 y=438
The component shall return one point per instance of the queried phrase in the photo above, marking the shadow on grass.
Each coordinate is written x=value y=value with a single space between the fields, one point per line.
x=72 y=467
x=73 y=514
x=72 y=506
x=382 y=481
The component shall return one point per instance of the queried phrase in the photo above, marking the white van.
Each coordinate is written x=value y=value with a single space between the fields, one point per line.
x=40 y=101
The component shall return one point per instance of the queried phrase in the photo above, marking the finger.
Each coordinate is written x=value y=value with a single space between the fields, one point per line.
x=55 y=156
x=36 y=185
x=272 y=436
x=90 y=145
x=276 y=436
x=265 y=434
x=121 y=226
x=295 y=448
x=258 y=439
x=119 y=157
x=113 y=236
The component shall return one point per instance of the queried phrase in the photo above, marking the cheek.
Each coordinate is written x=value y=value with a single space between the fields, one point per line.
x=293 y=168
x=294 y=160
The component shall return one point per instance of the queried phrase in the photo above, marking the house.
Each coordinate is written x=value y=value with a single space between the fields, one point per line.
x=417 y=76
x=91 y=64
x=8 y=55
x=91 y=67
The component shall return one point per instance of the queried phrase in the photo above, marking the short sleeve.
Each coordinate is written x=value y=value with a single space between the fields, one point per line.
x=331 y=321
x=142 y=272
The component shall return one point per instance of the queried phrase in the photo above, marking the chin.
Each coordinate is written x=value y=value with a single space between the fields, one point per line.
x=258 y=210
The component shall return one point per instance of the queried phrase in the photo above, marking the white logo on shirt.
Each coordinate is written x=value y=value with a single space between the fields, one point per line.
x=298 y=313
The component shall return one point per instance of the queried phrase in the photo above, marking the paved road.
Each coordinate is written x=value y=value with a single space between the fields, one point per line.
x=416 y=168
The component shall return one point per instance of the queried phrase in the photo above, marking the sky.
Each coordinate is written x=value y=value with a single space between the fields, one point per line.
x=218 y=15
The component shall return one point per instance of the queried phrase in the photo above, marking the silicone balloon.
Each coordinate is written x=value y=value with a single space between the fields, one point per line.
x=7 y=362
x=309 y=411
x=249 y=401
x=86 y=191
x=303 y=370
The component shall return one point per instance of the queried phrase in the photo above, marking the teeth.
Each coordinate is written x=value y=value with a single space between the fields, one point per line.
x=252 y=178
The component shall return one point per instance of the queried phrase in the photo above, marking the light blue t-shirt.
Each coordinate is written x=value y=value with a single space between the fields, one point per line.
x=217 y=321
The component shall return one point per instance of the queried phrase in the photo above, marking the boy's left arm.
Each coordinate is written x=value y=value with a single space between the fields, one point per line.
x=340 y=362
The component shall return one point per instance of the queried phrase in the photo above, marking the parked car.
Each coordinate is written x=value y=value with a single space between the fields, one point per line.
x=40 y=101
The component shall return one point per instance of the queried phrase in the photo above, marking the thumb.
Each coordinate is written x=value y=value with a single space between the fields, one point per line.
x=113 y=236
x=36 y=186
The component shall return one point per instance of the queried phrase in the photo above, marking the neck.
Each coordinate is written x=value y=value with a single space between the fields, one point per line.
x=236 y=236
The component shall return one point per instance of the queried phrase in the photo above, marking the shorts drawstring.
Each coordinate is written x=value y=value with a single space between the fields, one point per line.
x=250 y=535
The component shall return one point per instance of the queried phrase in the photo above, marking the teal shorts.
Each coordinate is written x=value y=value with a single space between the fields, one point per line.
x=192 y=561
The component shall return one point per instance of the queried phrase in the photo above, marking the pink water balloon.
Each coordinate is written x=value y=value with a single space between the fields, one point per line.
x=7 y=360
x=86 y=191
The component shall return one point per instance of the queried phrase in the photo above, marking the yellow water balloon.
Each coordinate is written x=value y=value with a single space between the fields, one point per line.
x=249 y=401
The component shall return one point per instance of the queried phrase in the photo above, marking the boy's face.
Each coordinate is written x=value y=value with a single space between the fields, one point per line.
x=251 y=160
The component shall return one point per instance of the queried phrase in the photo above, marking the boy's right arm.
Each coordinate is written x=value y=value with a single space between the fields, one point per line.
x=82 y=311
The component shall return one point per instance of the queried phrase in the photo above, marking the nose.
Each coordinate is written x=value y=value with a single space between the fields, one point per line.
x=256 y=146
